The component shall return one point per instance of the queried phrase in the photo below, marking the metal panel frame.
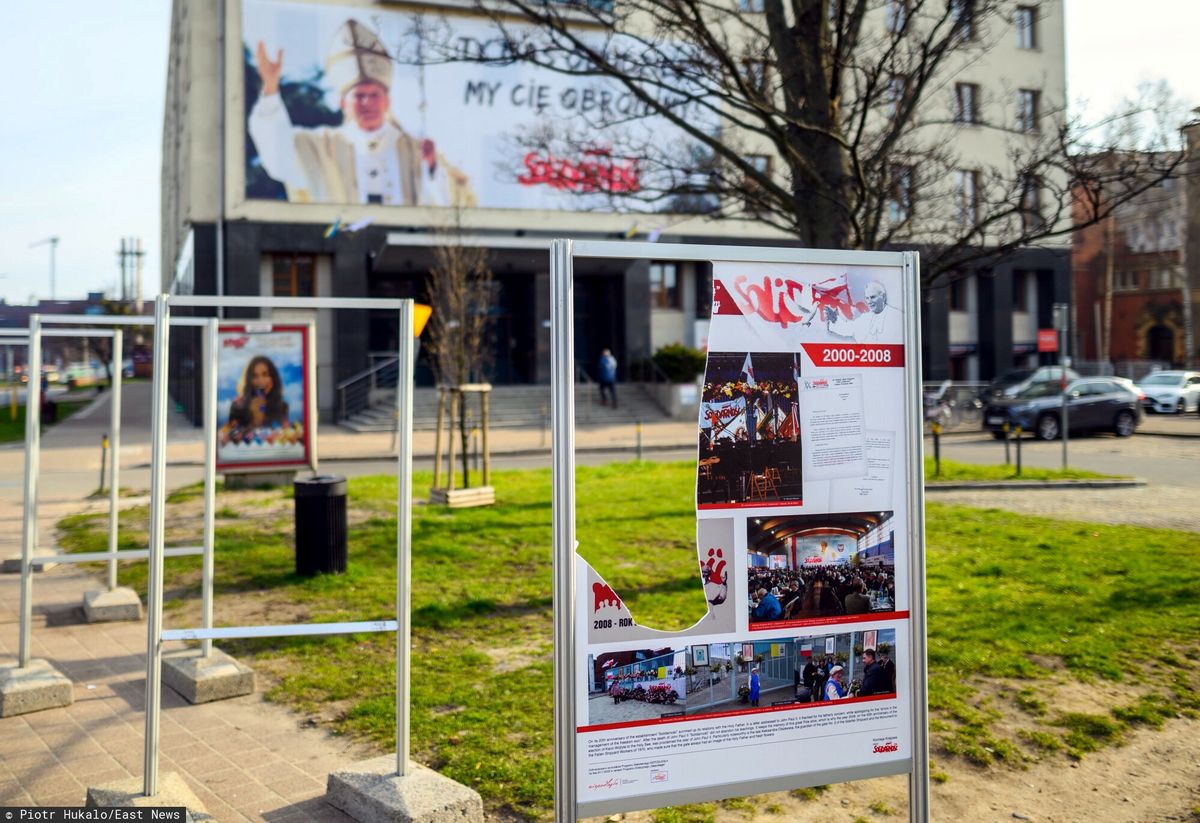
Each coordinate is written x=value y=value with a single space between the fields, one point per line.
x=86 y=327
x=33 y=455
x=156 y=635
x=562 y=256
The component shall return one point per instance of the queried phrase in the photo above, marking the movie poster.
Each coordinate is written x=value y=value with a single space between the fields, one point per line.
x=263 y=381
x=803 y=545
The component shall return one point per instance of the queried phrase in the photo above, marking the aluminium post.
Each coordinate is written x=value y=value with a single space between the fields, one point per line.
x=211 y=355
x=562 y=361
x=918 y=778
x=404 y=422
x=310 y=409
x=33 y=407
x=158 y=491
x=114 y=391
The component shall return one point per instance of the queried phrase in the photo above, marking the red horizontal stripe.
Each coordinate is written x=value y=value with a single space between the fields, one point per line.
x=869 y=355
x=756 y=504
x=827 y=621
x=630 y=724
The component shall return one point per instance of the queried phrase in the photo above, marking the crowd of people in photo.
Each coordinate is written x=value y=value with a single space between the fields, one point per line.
x=823 y=678
x=820 y=591
x=750 y=435
x=770 y=412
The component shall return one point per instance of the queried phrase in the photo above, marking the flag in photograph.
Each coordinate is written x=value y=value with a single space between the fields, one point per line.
x=748 y=372
x=833 y=293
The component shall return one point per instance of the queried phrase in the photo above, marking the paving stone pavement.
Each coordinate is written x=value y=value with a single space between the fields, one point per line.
x=1159 y=506
x=246 y=759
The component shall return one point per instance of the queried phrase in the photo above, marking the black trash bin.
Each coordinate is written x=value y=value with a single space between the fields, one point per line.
x=320 y=524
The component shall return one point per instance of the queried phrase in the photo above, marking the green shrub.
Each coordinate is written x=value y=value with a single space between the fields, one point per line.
x=680 y=363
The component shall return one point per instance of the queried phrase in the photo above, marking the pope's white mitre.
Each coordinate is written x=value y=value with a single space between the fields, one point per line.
x=356 y=56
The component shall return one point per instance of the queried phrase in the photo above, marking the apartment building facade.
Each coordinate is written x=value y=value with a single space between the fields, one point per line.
x=266 y=191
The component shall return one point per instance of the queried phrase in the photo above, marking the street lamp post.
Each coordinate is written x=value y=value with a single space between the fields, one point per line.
x=53 y=243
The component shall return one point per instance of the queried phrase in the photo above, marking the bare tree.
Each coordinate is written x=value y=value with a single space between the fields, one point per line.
x=460 y=344
x=836 y=121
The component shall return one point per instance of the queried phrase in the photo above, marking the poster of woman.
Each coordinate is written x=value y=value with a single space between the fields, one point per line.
x=262 y=397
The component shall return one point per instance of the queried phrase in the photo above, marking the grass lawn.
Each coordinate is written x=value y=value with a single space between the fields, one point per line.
x=1011 y=599
x=972 y=471
x=12 y=430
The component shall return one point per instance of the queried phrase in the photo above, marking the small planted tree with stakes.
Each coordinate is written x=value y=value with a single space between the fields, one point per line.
x=460 y=347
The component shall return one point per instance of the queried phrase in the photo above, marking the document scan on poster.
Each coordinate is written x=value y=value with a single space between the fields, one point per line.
x=799 y=671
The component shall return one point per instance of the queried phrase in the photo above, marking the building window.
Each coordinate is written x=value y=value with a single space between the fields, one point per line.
x=900 y=195
x=1031 y=203
x=1020 y=293
x=664 y=286
x=897 y=91
x=959 y=371
x=968 y=197
x=1160 y=278
x=1028 y=103
x=704 y=290
x=1126 y=281
x=1025 y=22
x=761 y=163
x=963 y=14
x=897 y=15
x=294 y=275
x=966 y=103
x=755 y=74
x=958 y=293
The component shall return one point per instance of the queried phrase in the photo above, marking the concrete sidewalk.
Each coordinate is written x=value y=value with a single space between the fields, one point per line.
x=245 y=759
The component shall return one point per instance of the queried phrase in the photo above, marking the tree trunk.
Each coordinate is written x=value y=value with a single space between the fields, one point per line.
x=464 y=438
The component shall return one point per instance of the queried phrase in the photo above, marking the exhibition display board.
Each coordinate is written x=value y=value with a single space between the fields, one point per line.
x=809 y=665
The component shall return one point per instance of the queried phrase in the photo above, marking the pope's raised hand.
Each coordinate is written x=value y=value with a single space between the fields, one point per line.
x=269 y=70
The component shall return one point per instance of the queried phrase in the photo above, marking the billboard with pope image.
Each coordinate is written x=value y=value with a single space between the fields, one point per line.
x=263 y=385
x=369 y=105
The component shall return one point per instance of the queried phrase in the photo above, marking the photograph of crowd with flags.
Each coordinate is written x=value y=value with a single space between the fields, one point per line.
x=805 y=567
x=750 y=431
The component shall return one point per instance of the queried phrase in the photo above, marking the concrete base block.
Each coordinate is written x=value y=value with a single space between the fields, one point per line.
x=205 y=679
x=36 y=687
x=12 y=565
x=371 y=792
x=103 y=606
x=172 y=791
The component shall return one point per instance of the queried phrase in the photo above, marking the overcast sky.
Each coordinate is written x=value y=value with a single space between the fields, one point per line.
x=80 y=135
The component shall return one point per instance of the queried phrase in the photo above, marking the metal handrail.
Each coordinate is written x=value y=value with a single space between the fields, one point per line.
x=658 y=378
x=365 y=373
x=354 y=393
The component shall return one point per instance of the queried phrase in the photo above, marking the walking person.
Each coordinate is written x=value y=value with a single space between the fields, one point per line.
x=608 y=377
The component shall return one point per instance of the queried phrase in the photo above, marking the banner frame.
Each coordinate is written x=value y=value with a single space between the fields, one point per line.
x=562 y=255
x=307 y=328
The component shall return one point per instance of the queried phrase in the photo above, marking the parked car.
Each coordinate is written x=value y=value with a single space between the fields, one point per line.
x=1094 y=404
x=82 y=375
x=49 y=374
x=1171 y=392
x=1015 y=380
x=1010 y=378
x=1050 y=375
